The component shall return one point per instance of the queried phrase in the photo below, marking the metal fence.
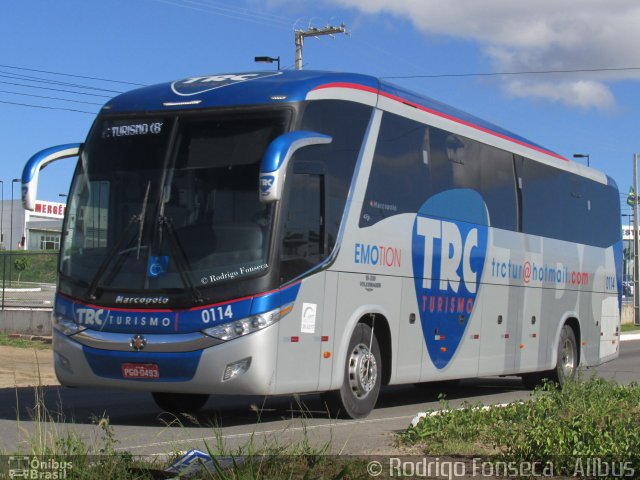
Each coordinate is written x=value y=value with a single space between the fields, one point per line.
x=28 y=279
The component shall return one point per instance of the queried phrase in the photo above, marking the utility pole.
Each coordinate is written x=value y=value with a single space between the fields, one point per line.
x=636 y=264
x=313 y=32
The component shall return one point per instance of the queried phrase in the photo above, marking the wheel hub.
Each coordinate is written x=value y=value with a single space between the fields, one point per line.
x=568 y=359
x=363 y=371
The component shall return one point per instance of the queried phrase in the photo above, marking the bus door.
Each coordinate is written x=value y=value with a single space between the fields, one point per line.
x=500 y=318
x=532 y=346
x=302 y=248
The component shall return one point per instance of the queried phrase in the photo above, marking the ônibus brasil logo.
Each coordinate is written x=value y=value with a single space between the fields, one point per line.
x=448 y=258
x=196 y=85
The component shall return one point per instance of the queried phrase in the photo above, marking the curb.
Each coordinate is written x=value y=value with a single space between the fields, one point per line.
x=626 y=337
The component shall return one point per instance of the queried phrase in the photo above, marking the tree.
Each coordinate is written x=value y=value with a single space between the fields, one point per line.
x=20 y=264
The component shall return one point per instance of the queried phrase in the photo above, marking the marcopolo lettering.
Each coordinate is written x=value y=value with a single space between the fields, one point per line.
x=142 y=300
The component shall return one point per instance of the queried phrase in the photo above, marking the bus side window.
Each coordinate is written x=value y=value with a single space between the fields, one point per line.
x=303 y=235
x=400 y=180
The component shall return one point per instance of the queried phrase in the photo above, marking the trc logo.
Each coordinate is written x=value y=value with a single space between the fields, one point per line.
x=448 y=259
x=266 y=182
x=453 y=252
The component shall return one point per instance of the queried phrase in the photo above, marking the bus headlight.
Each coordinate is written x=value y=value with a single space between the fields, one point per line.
x=239 y=328
x=65 y=325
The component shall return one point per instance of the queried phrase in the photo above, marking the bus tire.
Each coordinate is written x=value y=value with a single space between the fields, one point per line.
x=362 y=377
x=180 y=402
x=567 y=360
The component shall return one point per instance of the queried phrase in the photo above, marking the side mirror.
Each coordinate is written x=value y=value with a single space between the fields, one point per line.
x=274 y=163
x=36 y=163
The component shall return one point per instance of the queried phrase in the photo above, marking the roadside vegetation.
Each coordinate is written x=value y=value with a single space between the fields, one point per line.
x=630 y=327
x=585 y=420
x=64 y=453
x=22 y=341
x=589 y=419
x=20 y=267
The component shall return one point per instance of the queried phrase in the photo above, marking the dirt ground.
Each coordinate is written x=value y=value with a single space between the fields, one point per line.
x=26 y=367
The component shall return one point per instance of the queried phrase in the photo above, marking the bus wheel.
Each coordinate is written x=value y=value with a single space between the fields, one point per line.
x=567 y=364
x=568 y=360
x=180 y=402
x=362 y=377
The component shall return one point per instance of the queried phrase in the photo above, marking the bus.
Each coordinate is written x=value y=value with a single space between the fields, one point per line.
x=282 y=232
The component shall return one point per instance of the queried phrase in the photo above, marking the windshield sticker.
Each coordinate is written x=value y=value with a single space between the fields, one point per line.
x=231 y=274
x=157 y=266
x=132 y=129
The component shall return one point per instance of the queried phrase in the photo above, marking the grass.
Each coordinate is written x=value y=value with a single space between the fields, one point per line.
x=630 y=327
x=37 y=266
x=22 y=342
x=97 y=455
x=586 y=419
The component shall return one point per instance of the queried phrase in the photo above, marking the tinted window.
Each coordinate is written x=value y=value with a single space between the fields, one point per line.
x=561 y=205
x=479 y=167
x=414 y=162
x=303 y=237
x=346 y=123
x=147 y=212
x=400 y=179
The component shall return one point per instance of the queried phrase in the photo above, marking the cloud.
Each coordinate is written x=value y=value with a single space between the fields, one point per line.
x=535 y=35
x=582 y=93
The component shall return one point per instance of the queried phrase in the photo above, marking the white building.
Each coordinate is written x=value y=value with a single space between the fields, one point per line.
x=37 y=230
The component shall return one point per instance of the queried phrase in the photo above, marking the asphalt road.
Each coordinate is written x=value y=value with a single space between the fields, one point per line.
x=142 y=429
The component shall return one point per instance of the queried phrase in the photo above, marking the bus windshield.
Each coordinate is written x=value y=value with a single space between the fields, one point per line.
x=169 y=203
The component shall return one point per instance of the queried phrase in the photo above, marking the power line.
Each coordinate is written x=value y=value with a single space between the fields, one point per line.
x=73 y=75
x=248 y=17
x=49 y=98
x=48 y=108
x=531 y=72
x=56 y=89
x=245 y=11
x=46 y=81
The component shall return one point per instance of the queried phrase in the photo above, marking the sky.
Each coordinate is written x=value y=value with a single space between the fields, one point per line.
x=474 y=55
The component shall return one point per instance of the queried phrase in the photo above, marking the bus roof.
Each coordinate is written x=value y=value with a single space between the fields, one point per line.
x=273 y=87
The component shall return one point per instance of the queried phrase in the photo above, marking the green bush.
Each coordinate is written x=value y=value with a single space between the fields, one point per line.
x=585 y=420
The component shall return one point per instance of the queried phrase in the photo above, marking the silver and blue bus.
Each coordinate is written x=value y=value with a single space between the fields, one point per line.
x=272 y=233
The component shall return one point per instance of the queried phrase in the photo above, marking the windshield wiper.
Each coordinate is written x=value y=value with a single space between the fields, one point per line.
x=182 y=263
x=142 y=214
x=119 y=244
x=102 y=268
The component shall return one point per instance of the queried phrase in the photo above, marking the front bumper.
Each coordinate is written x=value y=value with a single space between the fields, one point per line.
x=197 y=371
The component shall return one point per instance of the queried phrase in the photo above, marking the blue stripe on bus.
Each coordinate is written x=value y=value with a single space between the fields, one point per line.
x=267 y=88
x=173 y=367
x=172 y=321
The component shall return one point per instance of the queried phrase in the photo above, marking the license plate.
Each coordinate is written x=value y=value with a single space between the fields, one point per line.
x=148 y=371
